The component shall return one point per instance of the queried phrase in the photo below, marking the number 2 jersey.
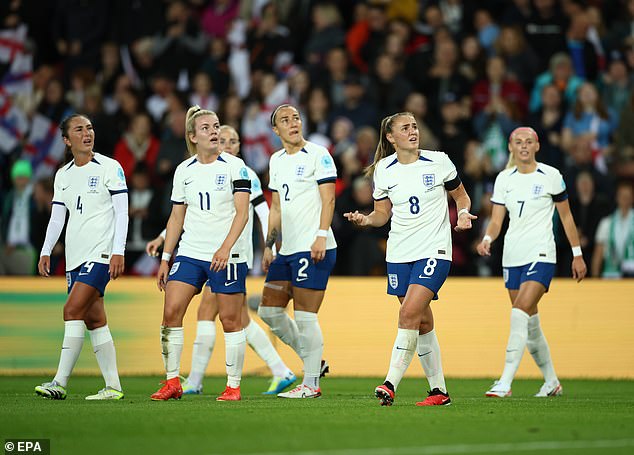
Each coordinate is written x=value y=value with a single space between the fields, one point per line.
x=86 y=192
x=420 y=215
x=529 y=199
x=296 y=178
x=207 y=190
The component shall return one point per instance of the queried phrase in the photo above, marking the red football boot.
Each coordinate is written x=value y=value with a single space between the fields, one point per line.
x=171 y=389
x=230 y=394
x=435 y=398
x=384 y=394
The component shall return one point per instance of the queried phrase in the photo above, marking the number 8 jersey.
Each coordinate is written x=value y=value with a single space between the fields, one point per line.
x=529 y=199
x=207 y=190
x=86 y=192
x=420 y=215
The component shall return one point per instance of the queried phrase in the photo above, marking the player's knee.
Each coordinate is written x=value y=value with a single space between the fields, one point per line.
x=231 y=322
x=269 y=314
x=408 y=317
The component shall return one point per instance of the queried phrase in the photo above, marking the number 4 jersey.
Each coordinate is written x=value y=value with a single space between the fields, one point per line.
x=420 y=215
x=529 y=199
x=86 y=192
x=207 y=190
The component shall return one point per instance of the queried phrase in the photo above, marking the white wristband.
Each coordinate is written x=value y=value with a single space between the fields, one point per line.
x=166 y=256
x=322 y=233
x=487 y=238
x=461 y=211
x=576 y=251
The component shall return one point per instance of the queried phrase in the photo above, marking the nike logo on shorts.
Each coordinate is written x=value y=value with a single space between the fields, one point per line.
x=531 y=273
x=229 y=283
x=424 y=277
x=298 y=279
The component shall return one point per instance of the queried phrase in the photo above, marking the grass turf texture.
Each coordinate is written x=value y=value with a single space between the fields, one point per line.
x=346 y=420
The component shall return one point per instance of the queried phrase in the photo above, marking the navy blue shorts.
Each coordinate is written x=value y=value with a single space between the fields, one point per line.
x=542 y=272
x=197 y=272
x=93 y=274
x=429 y=272
x=301 y=271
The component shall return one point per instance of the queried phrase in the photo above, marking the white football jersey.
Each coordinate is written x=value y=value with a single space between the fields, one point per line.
x=86 y=192
x=207 y=190
x=530 y=200
x=256 y=192
x=420 y=215
x=296 y=178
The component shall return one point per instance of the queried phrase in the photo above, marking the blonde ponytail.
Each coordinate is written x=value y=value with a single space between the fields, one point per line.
x=384 y=147
x=190 y=125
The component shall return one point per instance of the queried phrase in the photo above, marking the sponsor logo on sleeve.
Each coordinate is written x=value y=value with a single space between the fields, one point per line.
x=326 y=162
x=244 y=174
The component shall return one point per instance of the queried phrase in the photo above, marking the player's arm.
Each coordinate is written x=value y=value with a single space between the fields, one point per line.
x=493 y=229
x=53 y=231
x=463 y=205
x=273 y=231
x=597 y=259
x=377 y=218
x=151 y=248
x=120 y=206
x=241 y=203
x=579 y=268
x=173 y=232
x=327 y=195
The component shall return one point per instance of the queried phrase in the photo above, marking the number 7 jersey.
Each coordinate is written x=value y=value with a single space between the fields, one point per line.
x=529 y=199
x=86 y=192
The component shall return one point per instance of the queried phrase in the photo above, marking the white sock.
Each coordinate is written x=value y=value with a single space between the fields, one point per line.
x=260 y=343
x=402 y=354
x=311 y=343
x=281 y=325
x=172 y=344
x=235 y=345
x=538 y=347
x=428 y=351
x=103 y=346
x=515 y=347
x=74 y=332
x=203 y=347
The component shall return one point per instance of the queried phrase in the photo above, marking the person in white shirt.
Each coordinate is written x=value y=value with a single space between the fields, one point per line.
x=411 y=187
x=92 y=190
x=283 y=377
x=302 y=178
x=210 y=198
x=613 y=255
x=529 y=191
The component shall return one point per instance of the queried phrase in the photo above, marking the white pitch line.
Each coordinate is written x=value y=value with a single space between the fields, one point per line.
x=471 y=448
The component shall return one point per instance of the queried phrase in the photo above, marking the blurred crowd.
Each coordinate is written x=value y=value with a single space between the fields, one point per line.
x=469 y=71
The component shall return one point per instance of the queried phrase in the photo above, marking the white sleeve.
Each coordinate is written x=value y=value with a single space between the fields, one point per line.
x=120 y=205
x=498 y=191
x=178 y=187
x=262 y=210
x=54 y=229
x=115 y=179
x=325 y=169
x=378 y=190
x=450 y=170
x=163 y=234
x=273 y=184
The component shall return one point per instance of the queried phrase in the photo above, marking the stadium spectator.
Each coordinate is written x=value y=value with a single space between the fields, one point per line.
x=17 y=256
x=623 y=147
x=202 y=92
x=616 y=85
x=561 y=75
x=388 y=88
x=138 y=145
x=545 y=31
x=521 y=61
x=614 y=242
x=416 y=103
x=355 y=106
x=326 y=33
x=547 y=121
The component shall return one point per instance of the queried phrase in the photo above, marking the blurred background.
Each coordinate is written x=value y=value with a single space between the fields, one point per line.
x=469 y=71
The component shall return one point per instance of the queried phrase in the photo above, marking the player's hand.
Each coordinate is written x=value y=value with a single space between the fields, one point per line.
x=161 y=276
x=579 y=268
x=153 y=245
x=464 y=221
x=220 y=259
x=357 y=218
x=484 y=248
x=117 y=264
x=267 y=258
x=318 y=249
x=44 y=266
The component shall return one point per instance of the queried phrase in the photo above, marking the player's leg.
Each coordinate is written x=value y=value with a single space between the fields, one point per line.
x=230 y=312
x=204 y=343
x=103 y=347
x=80 y=297
x=428 y=350
x=524 y=304
x=272 y=310
x=413 y=306
x=261 y=344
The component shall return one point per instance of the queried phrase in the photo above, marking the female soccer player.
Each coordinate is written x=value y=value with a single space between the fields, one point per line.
x=411 y=186
x=302 y=177
x=530 y=191
x=93 y=190
x=208 y=309
x=210 y=199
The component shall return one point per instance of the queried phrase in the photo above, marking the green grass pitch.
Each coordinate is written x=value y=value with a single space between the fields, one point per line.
x=592 y=417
